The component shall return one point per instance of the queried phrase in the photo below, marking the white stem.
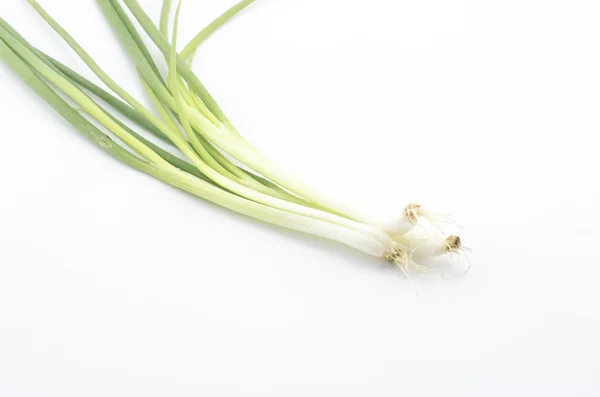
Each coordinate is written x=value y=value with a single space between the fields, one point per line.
x=363 y=242
x=427 y=246
x=403 y=223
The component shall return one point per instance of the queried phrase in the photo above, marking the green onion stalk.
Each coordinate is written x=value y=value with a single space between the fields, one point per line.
x=220 y=165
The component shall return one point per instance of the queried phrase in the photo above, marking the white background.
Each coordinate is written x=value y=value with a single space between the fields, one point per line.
x=114 y=284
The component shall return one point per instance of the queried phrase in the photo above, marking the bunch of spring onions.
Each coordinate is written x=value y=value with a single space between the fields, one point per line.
x=220 y=166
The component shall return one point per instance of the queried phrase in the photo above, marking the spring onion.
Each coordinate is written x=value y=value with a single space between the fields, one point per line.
x=220 y=165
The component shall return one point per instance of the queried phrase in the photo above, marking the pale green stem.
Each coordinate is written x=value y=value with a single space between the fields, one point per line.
x=164 y=17
x=193 y=45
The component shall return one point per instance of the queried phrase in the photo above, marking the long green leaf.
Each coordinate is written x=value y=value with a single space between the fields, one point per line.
x=140 y=43
x=191 y=47
x=163 y=44
x=87 y=104
x=164 y=17
x=70 y=114
x=70 y=74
